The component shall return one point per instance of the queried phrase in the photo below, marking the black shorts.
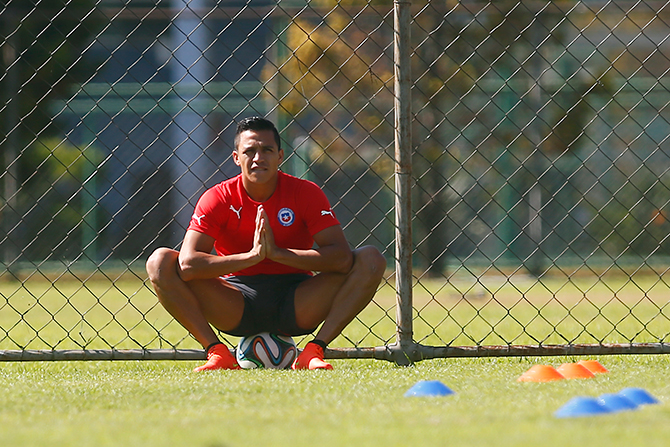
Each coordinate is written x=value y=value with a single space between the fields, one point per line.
x=269 y=304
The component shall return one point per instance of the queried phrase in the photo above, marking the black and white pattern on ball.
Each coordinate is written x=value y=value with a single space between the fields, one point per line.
x=266 y=350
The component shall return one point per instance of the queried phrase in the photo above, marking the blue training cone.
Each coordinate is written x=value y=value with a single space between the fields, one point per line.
x=616 y=402
x=429 y=388
x=581 y=406
x=639 y=396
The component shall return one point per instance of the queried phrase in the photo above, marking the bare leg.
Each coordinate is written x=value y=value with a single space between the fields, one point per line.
x=336 y=299
x=195 y=304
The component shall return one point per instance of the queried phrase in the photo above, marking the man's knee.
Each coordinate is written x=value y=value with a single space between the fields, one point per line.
x=161 y=260
x=370 y=262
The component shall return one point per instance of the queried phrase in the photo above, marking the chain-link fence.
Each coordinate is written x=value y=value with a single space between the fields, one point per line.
x=509 y=158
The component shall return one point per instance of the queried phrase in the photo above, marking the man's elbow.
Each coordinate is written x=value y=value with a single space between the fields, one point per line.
x=345 y=261
x=185 y=268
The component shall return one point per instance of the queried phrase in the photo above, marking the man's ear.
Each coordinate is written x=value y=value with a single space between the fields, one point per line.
x=281 y=155
x=236 y=157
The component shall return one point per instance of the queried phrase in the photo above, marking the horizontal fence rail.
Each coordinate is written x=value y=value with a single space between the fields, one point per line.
x=509 y=158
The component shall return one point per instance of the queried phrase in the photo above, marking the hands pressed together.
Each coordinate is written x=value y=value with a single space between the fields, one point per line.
x=264 y=241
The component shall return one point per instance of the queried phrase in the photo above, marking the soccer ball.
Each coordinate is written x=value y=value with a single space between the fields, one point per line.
x=266 y=350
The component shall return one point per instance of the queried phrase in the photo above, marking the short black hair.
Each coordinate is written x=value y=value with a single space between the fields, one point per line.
x=256 y=123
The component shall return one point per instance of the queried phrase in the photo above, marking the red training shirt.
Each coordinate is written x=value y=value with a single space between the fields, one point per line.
x=298 y=209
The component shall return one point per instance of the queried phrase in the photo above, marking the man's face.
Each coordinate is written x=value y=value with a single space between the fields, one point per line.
x=258 y=156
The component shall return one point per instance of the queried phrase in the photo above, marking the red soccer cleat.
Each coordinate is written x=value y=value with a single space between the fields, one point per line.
x=218 y=357
x=311 y=358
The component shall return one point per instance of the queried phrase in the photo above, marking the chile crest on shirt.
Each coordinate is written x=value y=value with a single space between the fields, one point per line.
x=286 y=216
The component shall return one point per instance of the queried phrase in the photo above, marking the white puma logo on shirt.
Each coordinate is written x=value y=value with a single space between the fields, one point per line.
x=196 y=217
x=326 y=212
x=236 y=211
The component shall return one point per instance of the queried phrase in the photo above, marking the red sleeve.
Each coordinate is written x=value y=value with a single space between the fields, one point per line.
x=318 y=214
x=209 y=216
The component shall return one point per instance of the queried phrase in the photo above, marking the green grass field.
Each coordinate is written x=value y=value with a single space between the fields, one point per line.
x=360 y=403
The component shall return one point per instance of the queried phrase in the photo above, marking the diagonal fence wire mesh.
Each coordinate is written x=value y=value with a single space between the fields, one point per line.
x=540 y=188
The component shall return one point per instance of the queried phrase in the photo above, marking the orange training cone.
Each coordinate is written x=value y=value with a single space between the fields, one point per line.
x=540 y=373
x=575 y=371
x=594 y=366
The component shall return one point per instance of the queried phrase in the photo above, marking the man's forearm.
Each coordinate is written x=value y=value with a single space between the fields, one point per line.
x=204 y=265
x=323 y=259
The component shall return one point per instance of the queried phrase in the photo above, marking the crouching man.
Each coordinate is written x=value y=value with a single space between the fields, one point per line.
x=263 y=225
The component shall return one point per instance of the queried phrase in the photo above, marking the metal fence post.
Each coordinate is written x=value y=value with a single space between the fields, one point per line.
x=403 y=181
